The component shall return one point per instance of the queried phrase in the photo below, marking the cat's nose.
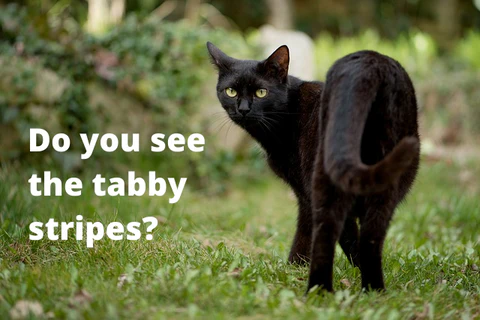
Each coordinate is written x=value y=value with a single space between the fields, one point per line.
x=244 y=108
x=244 y=112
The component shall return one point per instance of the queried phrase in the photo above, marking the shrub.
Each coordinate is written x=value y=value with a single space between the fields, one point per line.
x=468 y=50
x=416 y=52
x=163 y=67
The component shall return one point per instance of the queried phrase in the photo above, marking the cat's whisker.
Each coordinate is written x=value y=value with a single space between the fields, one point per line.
x=263 y=121
x=217 y=115
x=226 y=133
x=258 y=150
x=333 y=186
x=226 y=121
x=215 y=126
x=217 y=122
x=271 y=120
x=283 y=113
x=271 y=123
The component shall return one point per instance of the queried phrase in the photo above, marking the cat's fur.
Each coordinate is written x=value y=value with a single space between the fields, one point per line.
x=349 y=148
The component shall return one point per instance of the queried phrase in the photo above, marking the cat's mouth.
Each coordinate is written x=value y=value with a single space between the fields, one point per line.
x=245 y=120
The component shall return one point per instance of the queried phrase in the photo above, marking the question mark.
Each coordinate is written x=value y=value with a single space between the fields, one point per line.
x=153 y=224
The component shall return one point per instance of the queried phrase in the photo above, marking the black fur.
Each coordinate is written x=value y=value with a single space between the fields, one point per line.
x=349 y=148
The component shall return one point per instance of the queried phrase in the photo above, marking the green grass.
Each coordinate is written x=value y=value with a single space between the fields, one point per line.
x=224 y=257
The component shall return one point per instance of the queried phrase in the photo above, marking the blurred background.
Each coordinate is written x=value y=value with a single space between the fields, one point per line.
x=142 y=66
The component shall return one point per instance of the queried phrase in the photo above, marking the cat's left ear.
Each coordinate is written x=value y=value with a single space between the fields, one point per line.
x=219 y=58
x=277 y=64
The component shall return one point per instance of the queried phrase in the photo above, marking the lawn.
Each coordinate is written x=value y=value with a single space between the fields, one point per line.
x=224 y=257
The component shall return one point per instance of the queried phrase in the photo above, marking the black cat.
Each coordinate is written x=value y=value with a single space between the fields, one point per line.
x=349 y=148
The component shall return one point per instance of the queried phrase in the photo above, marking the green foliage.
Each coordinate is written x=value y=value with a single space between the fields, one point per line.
x=38 y=72
x=416 y=52
x=165 y=64
x=468 y=50
x=446 y=86
x=223 y=257
x=49 y=67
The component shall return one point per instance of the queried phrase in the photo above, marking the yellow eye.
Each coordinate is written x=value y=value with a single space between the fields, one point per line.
x=231 y=92
x=261 y=93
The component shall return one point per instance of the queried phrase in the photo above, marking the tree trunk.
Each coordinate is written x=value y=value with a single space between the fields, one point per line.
x=447 y=22
x=192 y=9
x=117 y=11
x=281 y=13
x=104 y=13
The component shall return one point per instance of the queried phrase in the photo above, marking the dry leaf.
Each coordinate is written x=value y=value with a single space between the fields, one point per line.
x=25 y=309
x=207 y=243
x=104 y=61
x=346 y=283
x=81 y=298
x=122 y=279
x=235 y=272
x=161 y=220
x=424 y=313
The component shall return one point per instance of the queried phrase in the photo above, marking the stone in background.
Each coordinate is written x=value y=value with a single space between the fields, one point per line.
x=302 y=58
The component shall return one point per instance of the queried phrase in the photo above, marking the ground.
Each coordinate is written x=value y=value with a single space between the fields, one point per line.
x=224 y=257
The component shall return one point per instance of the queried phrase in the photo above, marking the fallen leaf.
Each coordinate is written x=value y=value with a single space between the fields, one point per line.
x=298 y=303
x=424 y=313
x=104 y=61
x=235 y=272
x=207 y=243
x=161 y=220
x=122 y=279
x=19 y=48
x=263 y=231
x=346 y=283
x=25 y=309
x=81 y=298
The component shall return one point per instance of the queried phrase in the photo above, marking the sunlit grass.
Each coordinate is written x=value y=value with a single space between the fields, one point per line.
x=219 y=257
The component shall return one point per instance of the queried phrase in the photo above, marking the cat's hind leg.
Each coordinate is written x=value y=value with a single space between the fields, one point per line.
x=349 y=240
x=330 y=209
x=373 y=230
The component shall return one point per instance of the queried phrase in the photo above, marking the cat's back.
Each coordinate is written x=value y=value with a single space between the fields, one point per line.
x=370 y=64
x=369 y=72
x=310 y=93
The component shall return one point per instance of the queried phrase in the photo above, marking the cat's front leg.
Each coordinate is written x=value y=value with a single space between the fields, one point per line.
x=302 y=242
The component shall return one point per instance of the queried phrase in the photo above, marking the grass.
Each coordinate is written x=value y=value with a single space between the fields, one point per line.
x=225 y=257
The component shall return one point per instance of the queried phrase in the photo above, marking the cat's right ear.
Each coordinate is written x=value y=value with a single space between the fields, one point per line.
x=276 y=64
x=218 y=58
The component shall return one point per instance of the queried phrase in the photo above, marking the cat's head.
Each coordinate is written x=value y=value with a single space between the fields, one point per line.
x=252 y=91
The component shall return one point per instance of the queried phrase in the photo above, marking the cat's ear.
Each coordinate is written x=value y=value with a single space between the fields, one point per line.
x=277 y=64
x=218 y=58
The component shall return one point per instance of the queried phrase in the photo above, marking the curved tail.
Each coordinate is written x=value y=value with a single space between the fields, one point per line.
x=343 y=137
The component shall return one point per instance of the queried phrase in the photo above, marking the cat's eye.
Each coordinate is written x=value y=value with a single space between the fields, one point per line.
x=261 y=93
x=232 y=93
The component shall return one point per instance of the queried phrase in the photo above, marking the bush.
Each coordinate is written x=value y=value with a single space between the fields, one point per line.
x=416 y=52
x=468 y=50
x=445 y=84
x=162 y=67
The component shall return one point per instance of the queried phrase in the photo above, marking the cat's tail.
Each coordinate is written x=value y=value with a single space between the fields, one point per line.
x=342 y=159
